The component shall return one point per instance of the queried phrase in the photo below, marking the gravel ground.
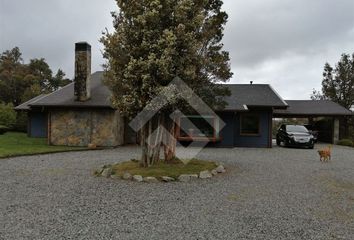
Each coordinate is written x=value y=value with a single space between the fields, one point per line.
x=277 y=193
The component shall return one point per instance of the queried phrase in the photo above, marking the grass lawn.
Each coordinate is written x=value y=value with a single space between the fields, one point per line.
x=162 y=169
x=18 y=144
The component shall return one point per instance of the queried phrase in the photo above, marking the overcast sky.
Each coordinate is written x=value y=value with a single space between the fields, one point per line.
x=281 y=42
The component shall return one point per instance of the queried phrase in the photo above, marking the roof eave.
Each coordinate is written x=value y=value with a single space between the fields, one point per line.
x=22 y=109
x=72 y=106
x=313 y=114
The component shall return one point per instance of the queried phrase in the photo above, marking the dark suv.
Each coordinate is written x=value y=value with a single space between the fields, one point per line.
x=295 y=135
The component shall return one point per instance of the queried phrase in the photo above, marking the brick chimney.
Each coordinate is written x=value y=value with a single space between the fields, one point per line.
x=82 y=89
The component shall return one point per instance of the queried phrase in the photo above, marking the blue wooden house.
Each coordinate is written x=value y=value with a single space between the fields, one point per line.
x=81 y=113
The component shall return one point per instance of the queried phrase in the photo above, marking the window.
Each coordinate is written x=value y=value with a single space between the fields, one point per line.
x=296 y=128
x=199 y=127
x=250 y=124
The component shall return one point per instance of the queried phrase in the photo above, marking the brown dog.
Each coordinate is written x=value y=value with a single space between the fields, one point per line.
x=325 y=154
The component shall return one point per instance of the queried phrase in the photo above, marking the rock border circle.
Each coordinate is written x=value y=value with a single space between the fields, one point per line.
x=107 y=172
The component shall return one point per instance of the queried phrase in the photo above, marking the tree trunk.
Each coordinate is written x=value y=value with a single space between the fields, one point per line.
x=158 y=139
x=144 y=151
x=150 y=141
x=170 y=140
x=151 y=135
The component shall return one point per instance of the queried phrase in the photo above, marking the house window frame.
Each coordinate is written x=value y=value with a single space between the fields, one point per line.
x=259 y=125
x=216 y=129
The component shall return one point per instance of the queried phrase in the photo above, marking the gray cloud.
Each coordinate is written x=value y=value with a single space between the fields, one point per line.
x=261 y=30
x=281 y=42
x=286 y=43
x=49 y=29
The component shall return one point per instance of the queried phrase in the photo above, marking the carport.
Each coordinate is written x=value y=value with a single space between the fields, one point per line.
x=317 y=109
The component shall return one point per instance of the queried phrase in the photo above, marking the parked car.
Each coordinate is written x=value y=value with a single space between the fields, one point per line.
x=313 y=131
x=295 y=135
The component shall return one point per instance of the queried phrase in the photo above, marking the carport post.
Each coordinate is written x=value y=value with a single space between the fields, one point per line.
x=310 y=120
x=335 y=130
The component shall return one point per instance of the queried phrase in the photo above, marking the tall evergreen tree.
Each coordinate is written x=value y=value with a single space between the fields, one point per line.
x=58 y=81
x=12 y=73
x=338 y=82
x=338 y=85
x=157 y=40
x=41 y=72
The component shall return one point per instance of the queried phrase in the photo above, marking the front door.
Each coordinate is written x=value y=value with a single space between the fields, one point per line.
x=38 y=124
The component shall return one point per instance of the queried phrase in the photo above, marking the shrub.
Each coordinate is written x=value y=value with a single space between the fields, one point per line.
x=346 y=142
x=7 y=115
x=3 y=129
x=21 y=122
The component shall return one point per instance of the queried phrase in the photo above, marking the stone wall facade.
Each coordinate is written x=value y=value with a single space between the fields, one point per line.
x=80 y=127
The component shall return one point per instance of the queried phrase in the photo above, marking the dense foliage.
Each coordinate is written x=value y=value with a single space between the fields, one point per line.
x=156 y=41
x=3 y=129
x=7 y=115
x=20 y=82
x=346 y=142
x=338 y=86
x=338 y=82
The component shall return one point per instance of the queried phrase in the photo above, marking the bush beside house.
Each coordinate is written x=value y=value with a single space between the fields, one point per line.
x=3 y=129
x=7 y=117
x=21 y=122
x=346 y=142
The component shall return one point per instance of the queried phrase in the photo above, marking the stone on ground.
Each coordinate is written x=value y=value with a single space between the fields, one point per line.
x=115 y=176
x=205 y=175
x=127 y=176
x=107 y=172
x=168 y=179
x=138 y=178
x=151 y=180
x=100 y=171
x=187 y=177
x=220 y=169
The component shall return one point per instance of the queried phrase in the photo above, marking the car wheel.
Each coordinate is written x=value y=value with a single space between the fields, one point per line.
x=282 y=144
x=278 y=142
x=311 y=147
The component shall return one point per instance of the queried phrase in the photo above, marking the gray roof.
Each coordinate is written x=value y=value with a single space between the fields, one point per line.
x=100 y=96
x=313 y=108
x=25 y=106
x=244 y=96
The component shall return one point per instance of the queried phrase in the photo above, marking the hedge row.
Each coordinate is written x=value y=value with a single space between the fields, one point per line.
x=346 y=142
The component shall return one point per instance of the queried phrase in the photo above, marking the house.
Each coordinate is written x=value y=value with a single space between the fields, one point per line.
x=81 y=113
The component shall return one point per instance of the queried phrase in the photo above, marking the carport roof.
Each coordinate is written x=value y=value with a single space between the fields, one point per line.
x=312 y=108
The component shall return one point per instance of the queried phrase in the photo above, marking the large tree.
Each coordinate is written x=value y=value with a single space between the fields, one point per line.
x=338 y=84
x=156 y=41
x=20 y=82
x=12 y=73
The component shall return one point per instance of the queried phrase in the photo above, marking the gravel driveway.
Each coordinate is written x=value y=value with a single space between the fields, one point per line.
x=266 y=194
